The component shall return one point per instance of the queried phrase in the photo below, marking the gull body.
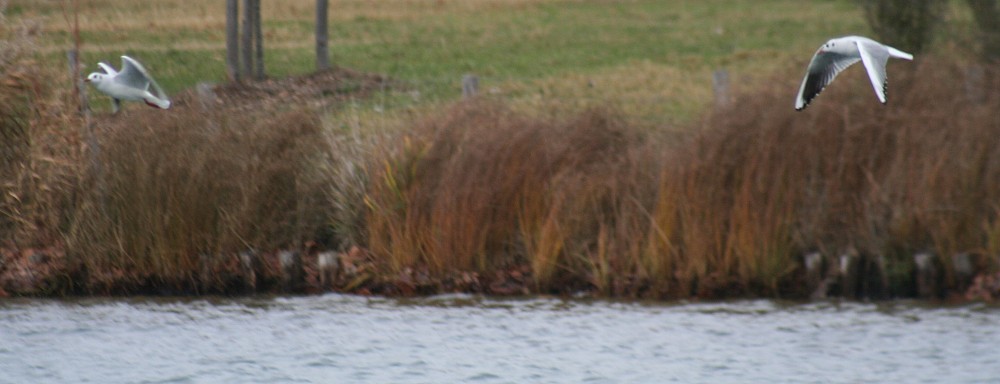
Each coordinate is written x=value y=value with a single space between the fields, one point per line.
x=132 y=83
x=836 y=55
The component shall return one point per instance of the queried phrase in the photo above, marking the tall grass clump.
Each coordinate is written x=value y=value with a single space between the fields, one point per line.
x=764 y=184
x=177 y=194
x=588 y=202
x=482 y=188
x=38 y=144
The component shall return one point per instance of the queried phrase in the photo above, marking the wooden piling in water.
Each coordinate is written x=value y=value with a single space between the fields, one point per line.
x=964 y=269
x=292 y=273
x=247 y=261
x=848 y=270
x=815 y=280
x=926 y=274
x=327 y=264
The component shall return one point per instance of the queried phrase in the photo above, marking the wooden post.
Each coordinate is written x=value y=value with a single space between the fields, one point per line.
x=470 y=85
x=246 y=40
x=232 y=39
x=291 y=268
x=80 y=89
x=720 y=86
x=246 y=259
x=258 y=40
x=322 y=35
x=926 y=274
x=815 y=283
x=849 y=273
x=963 y=267
x=88 y=134
x=327 y=263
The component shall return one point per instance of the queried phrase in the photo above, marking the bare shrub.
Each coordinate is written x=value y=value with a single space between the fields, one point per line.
x=986 y=14
x=905 y=24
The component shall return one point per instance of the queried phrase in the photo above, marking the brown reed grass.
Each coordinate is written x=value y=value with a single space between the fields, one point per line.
x=177 y=189
x=763 y=184
x=483 y=188
x=592 y=203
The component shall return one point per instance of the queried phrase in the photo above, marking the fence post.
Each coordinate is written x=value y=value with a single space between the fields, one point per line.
x=720 y=87
x=88 y=134
x=232 y=39
x=246 y=40
x=258 y=41
x=322 y=33
x=470 y=85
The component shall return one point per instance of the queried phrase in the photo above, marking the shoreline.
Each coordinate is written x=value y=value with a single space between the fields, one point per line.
x=47 y=273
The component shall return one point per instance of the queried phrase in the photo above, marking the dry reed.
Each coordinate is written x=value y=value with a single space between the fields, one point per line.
x=592 y=203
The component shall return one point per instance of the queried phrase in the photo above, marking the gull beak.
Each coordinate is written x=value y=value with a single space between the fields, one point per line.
x=85 y=80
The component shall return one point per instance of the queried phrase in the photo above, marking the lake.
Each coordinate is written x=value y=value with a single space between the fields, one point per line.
x=472 y=339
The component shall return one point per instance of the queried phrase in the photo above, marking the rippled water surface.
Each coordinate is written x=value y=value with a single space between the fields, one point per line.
x=347 y=339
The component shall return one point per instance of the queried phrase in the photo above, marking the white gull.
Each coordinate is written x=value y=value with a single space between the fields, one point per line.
x=838 y=54
x=132 y=83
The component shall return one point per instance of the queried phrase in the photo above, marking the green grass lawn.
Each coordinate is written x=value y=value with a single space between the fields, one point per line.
x=651 y=58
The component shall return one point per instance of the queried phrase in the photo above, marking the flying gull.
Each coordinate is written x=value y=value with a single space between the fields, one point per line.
x=132 y=83
x=840 y=53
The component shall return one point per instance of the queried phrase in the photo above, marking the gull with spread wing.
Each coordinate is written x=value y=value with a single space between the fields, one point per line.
x=132 y=83
x=838 y=54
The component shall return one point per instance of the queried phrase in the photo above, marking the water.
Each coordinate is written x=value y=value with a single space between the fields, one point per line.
x=468 y=339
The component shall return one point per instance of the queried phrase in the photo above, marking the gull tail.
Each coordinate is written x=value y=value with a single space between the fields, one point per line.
x=158 y=103
x=899 y=54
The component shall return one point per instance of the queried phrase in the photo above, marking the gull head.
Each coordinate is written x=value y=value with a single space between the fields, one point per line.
x=829 y=46
x=96 y=77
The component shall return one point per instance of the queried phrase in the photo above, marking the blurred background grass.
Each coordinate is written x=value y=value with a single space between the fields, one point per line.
x=653 y=59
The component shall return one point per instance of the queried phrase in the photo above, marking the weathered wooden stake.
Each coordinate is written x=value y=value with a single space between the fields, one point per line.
x=470 y=85
x=849 y=273
x=962 y=264
x=246 y=40
x=720 y=86
x=322 y=34
x=258 y=40
x=926 y=274
x=813 y=263
x=247 y=270
x=89 y=135
x=327 y=264
x=232 y=39
x=291 y=268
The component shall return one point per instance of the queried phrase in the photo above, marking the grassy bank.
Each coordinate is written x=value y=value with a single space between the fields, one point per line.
x=850 y=198
x=597 y=165
x=653 y=58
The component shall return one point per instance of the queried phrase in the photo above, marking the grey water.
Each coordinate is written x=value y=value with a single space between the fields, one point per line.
x=471 y=339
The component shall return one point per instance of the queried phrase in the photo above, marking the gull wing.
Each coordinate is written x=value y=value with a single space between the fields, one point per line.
x=875 y=56
x=107 y=68
x=824 y=67
x=134 y=75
